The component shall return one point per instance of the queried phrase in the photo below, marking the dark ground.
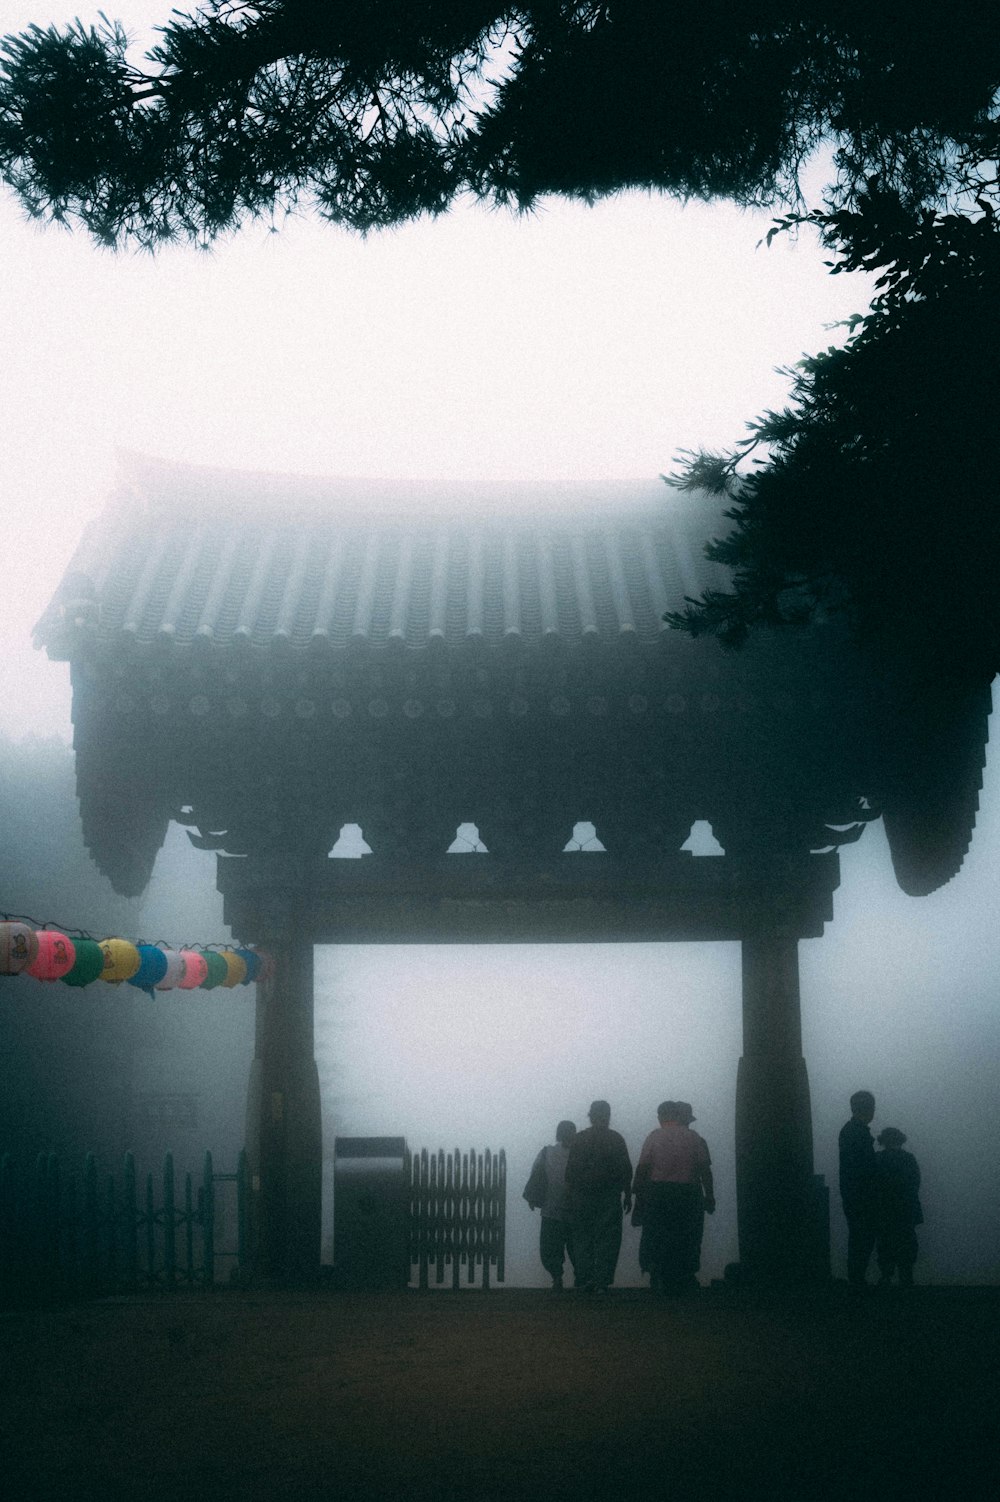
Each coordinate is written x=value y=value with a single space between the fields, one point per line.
x=513 y=1394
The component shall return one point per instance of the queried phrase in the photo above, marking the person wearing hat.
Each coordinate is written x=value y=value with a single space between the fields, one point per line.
x=687 y=1116
x=673 y=1184
x=897 y=1208
x=599 y=1183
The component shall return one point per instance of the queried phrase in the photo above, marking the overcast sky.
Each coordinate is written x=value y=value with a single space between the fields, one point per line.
x=580 y=344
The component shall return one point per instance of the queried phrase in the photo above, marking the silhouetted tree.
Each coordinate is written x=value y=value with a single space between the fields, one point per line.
x=372 y=113
x=873 y=494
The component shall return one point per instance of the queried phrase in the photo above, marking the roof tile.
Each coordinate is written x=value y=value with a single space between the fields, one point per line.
x=230 y=560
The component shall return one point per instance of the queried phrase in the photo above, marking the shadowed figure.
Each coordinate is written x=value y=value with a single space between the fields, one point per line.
x=546 y=1191
x=897 y=1208
x=599 y=1181
x=857 y=1186
x=673 y=1190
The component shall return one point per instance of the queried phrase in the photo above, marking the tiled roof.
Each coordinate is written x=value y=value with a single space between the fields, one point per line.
x=203 y=557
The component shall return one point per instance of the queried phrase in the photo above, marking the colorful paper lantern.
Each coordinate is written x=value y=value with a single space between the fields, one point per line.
x=55 y=958
x=152 y=967
x=88 y=964
x=236 y=967
x=121 y=960
x=47 y=954
x=251 y=959
x=18 y=947
x=195 y=969
x=174 y=973
x=216 y=970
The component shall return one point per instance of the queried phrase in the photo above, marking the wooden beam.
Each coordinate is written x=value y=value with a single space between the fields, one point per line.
x=575 y=899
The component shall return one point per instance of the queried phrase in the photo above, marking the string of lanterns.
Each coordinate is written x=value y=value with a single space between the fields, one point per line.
x=48 y=954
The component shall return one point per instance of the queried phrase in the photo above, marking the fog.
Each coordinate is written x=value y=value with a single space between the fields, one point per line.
x=491 y=1046
x=577 y=344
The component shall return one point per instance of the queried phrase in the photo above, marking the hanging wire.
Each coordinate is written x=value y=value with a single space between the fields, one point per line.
x=84 y=933
x=79 y=933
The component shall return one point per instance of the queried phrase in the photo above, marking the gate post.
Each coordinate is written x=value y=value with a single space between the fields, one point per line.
x=782 y=1208
x=284 y=1140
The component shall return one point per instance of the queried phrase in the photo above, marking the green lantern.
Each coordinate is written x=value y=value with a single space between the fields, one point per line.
x=218 y=970
x=88 y=964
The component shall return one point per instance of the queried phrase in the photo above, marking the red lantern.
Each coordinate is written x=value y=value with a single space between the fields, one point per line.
x=55 y=958
x=18 y=947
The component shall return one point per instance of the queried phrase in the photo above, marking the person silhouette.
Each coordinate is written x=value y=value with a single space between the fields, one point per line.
x=897 y=1208
x=857 y=1187
x=707 y=1206
x=599 y=1181
x=673 y=1185
x=546 y=1191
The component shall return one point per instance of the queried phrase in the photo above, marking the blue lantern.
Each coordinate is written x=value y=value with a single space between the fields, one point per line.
x=251 y=959
x=152 y=967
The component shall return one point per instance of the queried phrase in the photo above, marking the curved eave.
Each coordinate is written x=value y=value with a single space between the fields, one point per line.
x=930 y=811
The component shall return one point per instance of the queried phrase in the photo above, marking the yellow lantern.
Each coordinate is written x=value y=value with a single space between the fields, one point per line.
x=236 y=968
x=121 y=960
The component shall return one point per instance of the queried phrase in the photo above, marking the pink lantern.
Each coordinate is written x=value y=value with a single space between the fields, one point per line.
x=175 y=971
x=55 y=958
x=18 y=947
x=195 y=969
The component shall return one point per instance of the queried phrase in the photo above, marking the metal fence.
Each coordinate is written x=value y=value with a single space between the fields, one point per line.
x=66 y=1234
x=458 y=1215
x=83 y=1234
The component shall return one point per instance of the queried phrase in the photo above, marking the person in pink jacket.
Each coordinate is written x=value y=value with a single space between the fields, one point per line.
x=674 y=1190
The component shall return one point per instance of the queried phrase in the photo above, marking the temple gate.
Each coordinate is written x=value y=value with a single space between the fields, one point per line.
x=269 y=659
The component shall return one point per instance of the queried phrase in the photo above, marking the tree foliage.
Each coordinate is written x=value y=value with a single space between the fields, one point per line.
x=373 y=113
x=873 y=494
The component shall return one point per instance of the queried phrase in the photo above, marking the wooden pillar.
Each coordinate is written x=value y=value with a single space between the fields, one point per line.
x=782 y=1208
x=284 y=1131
